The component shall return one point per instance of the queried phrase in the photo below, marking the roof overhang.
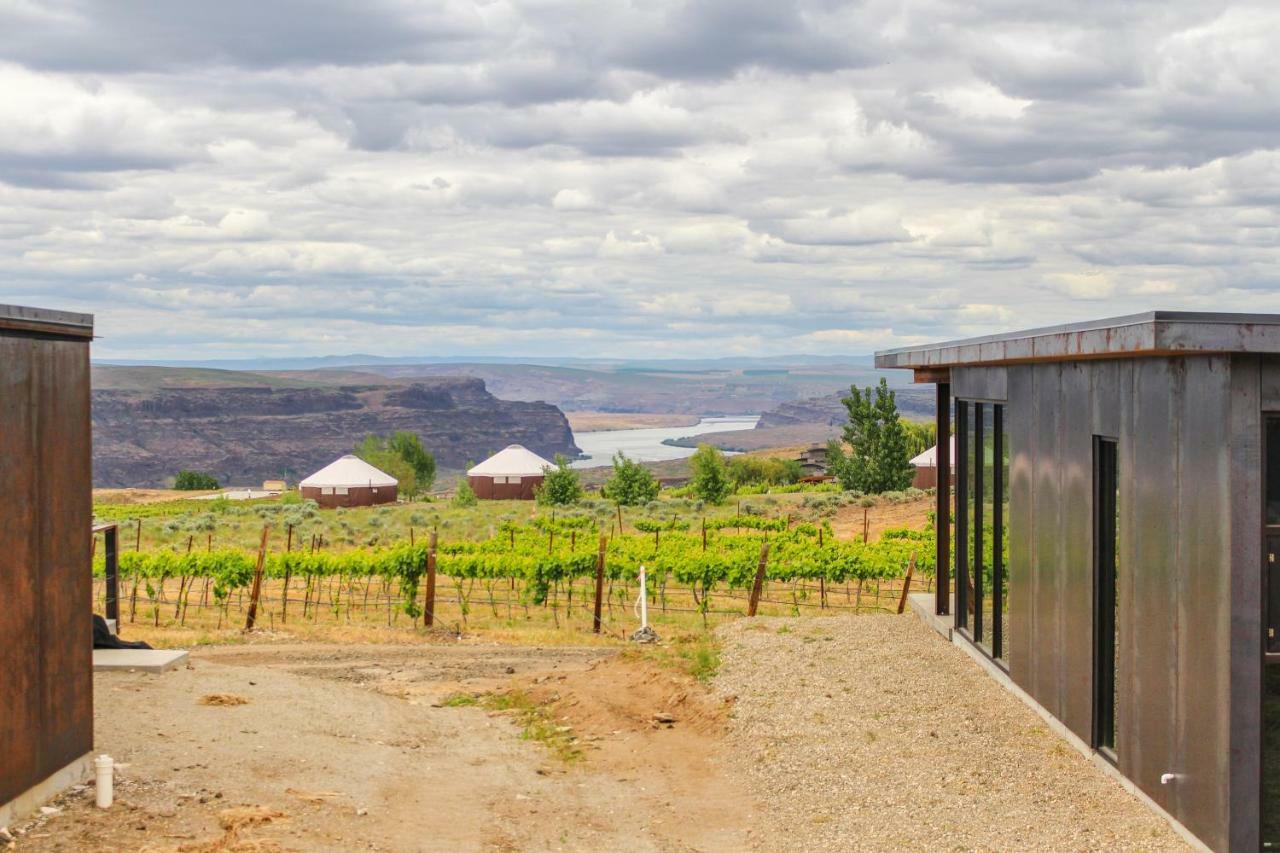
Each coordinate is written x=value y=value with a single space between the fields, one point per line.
x=42 y=321
x=1155 y=333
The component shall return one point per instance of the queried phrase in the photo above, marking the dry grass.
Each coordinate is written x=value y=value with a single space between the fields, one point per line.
x=223 y=699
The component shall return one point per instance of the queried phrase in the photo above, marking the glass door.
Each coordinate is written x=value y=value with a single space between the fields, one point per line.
x=1271 y=640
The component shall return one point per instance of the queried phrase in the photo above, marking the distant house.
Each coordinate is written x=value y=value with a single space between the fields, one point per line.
x=926 y=465
x=350 y=481
x=813 y=461
x=274 y=485
x=513 y=473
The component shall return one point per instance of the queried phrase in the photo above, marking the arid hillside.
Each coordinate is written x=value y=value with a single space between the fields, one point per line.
x=280 y=429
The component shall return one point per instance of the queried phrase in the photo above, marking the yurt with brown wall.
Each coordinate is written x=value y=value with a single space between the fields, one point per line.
x=926 y=465
x=513 y=473
x=350 y=481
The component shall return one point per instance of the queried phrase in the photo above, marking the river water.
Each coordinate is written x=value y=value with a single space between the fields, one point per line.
x=645 y=445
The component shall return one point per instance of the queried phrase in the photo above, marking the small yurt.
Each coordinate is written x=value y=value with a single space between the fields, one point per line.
x=350 y=481
x=926 y=465
x=512 y=473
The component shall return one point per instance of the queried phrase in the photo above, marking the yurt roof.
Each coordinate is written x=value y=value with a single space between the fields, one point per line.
x=514 y=460
x=350 y=471
x=929 y=459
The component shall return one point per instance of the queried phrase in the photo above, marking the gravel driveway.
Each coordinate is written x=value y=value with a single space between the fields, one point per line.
x=871 y=732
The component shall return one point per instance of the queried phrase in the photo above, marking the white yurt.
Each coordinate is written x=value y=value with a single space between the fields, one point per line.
x=349 y=481
x=512 y=473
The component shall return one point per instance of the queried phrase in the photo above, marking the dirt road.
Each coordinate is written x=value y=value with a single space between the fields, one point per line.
x=348 y=747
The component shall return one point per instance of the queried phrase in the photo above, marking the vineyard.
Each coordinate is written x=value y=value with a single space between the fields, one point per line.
x=543 y=569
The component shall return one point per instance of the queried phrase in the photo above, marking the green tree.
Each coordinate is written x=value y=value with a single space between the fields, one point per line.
x=374 y=450
x=921 y=435
x=760 y=470
x=464 y=495
x=409 y=446
x=879 y=459
x=710 y=480
x=194 y=481
x=561 y=486
x=632 y=484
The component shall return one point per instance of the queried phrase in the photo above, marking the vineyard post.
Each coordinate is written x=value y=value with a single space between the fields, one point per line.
x=595 y=623
x=429 y=610
x=137 y=542
x=819 y=536
x=410 y=536
x=289 y=545
x=209 y=545
x=864 y=525
x=257 y=580
x=619 y=519
x=906 y=584
x=759 y=581
x=284 y=595
x=704 y=533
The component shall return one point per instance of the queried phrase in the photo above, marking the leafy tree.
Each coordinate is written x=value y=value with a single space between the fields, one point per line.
x=879 y=459
x=756 y=470
x=194 y=481
x=409 y=446
x=632 y=484
x=561 y=486
x=710 y=480
x=374 y=450
x=464 y=495
x=921 y=435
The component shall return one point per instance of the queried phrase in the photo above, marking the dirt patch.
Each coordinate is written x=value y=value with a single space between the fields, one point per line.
x=913 y=515
x=352 y=747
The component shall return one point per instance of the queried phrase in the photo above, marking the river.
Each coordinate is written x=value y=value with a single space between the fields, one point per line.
x=645 y=445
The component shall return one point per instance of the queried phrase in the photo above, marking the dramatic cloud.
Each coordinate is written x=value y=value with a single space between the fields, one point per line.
x=684 y=177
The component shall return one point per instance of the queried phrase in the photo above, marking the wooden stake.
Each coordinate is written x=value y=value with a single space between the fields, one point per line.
x=257 y=580
x=137 y=542
x=864 y=525
x=906 y=584
x=619 y=519
x=759 y=581
x=429 y=608
x=595 y=623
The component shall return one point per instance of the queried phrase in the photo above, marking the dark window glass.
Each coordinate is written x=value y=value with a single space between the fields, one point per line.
x=1273 y=470
x=964 y=510
x=1106 y=504
x=1000 y=529
x=1271 y=757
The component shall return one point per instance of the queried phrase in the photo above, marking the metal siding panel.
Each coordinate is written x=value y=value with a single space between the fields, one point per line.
x=1021 y=514
x=1047 y=540
x=1105 y=382
x=19 y=590
x=980 y=383
x=63 y=460
x=1149 y=524
x=1075 y=569
x=1246 y=590
x=1202 y=712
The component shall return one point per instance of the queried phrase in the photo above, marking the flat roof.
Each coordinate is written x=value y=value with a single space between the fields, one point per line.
x=20 y=318
x=1153 y=333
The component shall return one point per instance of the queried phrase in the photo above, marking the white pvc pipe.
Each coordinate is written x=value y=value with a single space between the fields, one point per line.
x=104 y=765
x=644 y=600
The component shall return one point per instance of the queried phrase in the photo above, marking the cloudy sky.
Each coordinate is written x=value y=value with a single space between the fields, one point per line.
x=697 y=177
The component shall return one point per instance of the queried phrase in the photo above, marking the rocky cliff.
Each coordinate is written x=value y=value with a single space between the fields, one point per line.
x=243 y=435
x=915 y=403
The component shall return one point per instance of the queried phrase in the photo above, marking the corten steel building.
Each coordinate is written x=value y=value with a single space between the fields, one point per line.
x=1117 y=545
x=513 y=473
x=350 y=481
x=46 y=636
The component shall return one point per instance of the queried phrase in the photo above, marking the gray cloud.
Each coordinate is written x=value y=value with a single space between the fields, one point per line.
x=703 y=176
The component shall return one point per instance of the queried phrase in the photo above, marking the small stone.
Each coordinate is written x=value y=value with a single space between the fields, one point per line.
x=49 y=810
x=663 y=717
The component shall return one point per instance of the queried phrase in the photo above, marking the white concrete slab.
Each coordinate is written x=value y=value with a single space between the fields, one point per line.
x=138 y=660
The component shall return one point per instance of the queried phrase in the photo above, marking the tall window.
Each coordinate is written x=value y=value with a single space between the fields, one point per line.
x=1106 y=567
x=982 y=478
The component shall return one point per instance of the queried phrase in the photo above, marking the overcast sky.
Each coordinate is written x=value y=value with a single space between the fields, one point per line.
x=293 y=177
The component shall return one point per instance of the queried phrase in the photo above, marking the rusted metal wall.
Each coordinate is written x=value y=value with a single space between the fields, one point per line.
x=355 y=496
x=46 y=687
x=1178 y=424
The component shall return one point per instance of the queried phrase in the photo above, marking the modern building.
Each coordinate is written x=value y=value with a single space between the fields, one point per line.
x=813 y=461
x=1116 y=529
x=926 y=465
x=513 y=473
x=349 y=481
x=46 y=649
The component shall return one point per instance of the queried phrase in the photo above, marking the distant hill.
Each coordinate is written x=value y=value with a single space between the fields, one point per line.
x=244 y=428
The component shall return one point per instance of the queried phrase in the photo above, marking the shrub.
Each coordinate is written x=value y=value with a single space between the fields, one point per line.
x=561 y=486
x=710 y=475
x=194 y=481
x=463 y=496
x=631 y=484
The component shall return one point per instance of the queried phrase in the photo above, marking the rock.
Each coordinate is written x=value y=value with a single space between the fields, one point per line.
x=645 y=635
x=248 y=434
x=50 y=810
x=663 y=717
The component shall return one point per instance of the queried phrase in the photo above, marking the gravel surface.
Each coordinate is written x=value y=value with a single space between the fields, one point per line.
x=871 y=732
